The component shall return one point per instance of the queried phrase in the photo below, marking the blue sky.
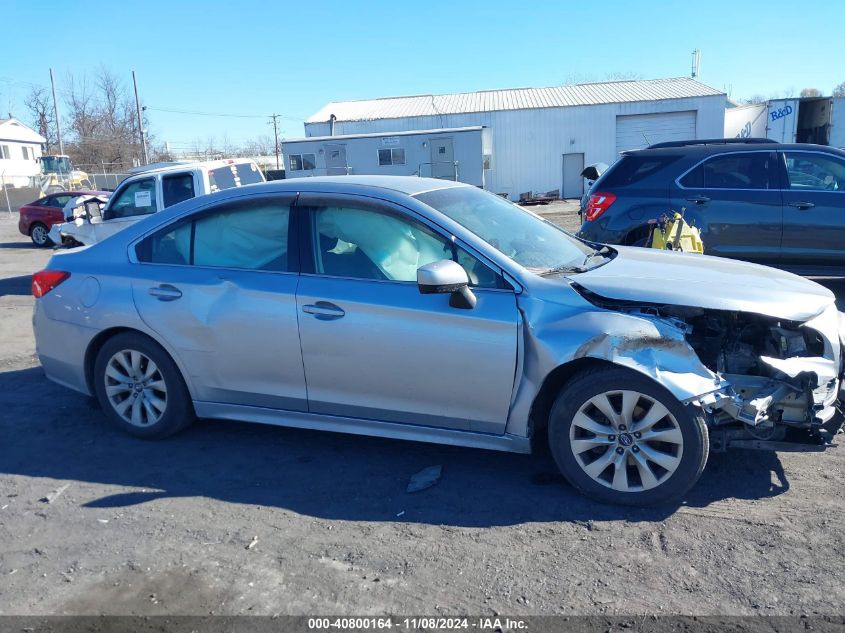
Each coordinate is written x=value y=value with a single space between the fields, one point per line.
x=254 y=58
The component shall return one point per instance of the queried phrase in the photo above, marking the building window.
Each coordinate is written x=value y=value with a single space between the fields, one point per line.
x=4 y=152
x=302 y=162
x=391 y=157
x=26 y=152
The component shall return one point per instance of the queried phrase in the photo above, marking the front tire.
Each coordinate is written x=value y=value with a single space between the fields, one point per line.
x=39 y=234
x=619 y=437
x=140 y=388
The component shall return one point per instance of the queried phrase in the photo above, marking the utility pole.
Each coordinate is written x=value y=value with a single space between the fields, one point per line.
x=140 y=121
x=696 y=63
x=275 y=118
x=56 y=112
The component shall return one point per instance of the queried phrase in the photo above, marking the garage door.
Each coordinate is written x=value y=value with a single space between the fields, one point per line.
x=640 y=130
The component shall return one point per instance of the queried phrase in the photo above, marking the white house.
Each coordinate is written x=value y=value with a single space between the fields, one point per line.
x=540 y=138
x=20 y=148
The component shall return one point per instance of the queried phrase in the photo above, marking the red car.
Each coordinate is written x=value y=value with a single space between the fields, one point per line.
x=37 y=217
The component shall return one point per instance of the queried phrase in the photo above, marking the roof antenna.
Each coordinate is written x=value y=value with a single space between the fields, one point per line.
x=696 y=63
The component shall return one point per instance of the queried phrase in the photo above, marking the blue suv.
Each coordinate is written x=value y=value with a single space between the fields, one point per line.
x=753 y=199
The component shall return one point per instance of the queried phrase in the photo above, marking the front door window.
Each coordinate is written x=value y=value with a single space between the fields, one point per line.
x=138 y=198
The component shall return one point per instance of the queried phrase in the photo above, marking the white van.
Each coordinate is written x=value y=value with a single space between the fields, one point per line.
x=155 y=189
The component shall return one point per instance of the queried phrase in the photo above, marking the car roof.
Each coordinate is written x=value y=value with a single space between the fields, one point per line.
x=81 y=192
x=410 y=185
x=73 y=194
x=719 y=148
x=185 y=166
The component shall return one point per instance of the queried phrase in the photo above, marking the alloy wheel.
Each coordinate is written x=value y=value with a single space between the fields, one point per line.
x=135 y=388
x=39 y=235
x=626 y=440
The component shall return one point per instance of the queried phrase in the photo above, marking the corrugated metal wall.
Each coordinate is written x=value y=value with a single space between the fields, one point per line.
x=837 y=120
x=528 y=145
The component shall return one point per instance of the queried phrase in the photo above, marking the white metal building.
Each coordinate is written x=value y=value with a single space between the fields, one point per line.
x=541 y=138
x=20 y=147
x=451 y=153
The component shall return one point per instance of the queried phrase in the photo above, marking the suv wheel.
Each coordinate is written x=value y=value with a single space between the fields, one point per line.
x=140 y=388
x=38 y=233
x=621 y=438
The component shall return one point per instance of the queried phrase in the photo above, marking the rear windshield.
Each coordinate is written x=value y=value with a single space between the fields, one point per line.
x=629 y=170
x=235 y=175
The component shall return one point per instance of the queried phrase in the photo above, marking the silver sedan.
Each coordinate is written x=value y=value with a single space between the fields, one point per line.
x=430 y=310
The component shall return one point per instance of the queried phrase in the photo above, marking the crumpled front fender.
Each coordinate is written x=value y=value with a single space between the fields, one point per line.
x=652 y=346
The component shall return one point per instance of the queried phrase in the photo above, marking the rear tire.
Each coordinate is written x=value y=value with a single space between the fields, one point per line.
x=140 y=388
x=647 y=448
x=38 y=233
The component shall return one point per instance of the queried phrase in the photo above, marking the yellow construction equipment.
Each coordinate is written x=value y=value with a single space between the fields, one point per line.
x=59 y=174
x=673 y=233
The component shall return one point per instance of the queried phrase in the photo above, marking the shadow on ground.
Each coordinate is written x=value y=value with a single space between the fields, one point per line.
x=21 y=286
x=48 y=431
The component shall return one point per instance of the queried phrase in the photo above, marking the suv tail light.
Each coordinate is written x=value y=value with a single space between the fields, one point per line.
x=599 y=203
x=45 y=280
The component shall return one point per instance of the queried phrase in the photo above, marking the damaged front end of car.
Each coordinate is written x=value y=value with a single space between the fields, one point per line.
x=776 y=382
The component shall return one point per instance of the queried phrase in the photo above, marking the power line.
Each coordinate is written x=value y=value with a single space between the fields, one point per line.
x=70 y=93
x=222 y=114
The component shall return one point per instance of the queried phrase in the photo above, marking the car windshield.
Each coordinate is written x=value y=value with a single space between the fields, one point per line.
x=527 y=239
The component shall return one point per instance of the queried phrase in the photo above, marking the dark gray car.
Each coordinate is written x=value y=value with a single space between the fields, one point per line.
x=777 y=204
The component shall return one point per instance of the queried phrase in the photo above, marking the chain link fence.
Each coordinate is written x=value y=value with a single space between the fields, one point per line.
x=18 y=189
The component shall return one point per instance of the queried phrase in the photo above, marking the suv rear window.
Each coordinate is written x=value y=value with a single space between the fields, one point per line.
x=235 y=175
x=634 y=168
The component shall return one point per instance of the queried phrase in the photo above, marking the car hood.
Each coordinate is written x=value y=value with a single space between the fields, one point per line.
x=686 y=279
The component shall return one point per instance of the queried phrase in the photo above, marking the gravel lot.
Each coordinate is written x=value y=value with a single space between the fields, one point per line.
x=149 y=528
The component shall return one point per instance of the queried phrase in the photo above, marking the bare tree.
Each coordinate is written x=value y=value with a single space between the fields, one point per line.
x=839 y=91
x=41 y=114
x=754 y=99
x=259 y=146
x=102 y=123
x=228 y=147
x=811 y=92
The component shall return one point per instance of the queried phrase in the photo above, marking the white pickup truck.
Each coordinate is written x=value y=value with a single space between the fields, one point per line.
x=153 y=190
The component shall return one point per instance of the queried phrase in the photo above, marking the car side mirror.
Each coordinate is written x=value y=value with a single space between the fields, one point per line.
x=92 y=209
x=446 y=276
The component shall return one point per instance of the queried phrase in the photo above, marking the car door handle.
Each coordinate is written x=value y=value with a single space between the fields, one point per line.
x=802 y=204
x=699 y=199
x=165 y=292
x=324 y=310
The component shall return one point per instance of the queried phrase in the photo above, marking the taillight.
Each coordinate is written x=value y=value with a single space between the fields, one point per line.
x=598 y=204
x=45 y=280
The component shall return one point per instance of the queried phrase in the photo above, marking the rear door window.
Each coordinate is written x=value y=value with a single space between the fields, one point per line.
x=177 y=188
x=250 y=235
x=59 y=201
x=750 y=170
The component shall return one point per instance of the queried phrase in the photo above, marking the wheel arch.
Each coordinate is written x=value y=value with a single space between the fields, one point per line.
x=101 y=338
x=636 y=234
x=554 y=381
